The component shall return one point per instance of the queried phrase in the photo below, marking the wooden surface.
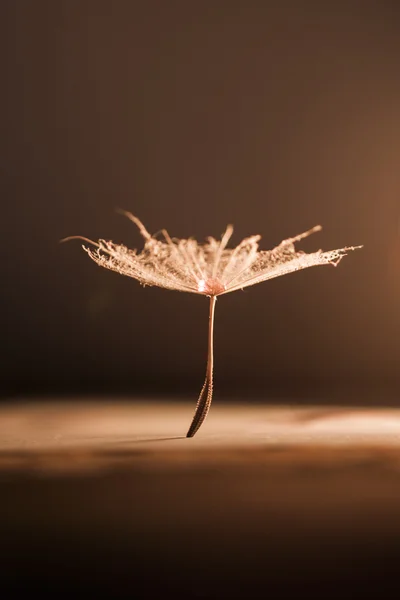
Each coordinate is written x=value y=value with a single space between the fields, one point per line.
x=111 y=495
x=155 y=431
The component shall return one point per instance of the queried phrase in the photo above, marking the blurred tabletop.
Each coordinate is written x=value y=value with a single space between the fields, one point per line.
x=111 y=497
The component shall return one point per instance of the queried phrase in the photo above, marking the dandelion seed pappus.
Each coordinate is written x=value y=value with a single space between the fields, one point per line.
x=209 y=269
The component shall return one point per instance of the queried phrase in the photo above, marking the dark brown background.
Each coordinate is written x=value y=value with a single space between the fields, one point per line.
x=274 y=116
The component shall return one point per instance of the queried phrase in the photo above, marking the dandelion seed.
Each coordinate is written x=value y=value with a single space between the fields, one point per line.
x=209 y=269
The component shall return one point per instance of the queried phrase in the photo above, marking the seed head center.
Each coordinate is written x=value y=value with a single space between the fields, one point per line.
x=211 y=286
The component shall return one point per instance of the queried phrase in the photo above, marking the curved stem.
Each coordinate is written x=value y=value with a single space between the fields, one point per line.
x=205 y=398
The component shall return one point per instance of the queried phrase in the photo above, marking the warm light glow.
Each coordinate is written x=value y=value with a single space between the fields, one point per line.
x=211 y=287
